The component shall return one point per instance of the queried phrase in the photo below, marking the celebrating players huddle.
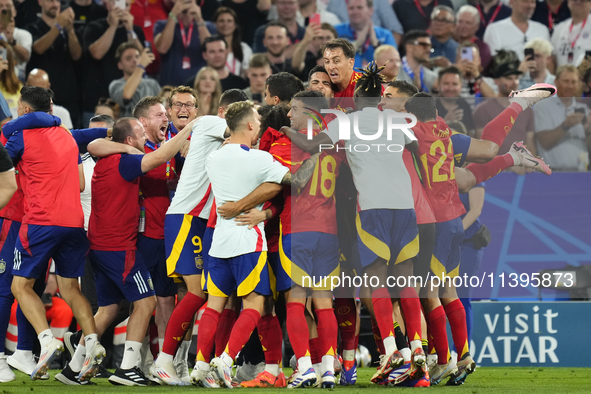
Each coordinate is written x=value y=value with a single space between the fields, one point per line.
x=256 y=220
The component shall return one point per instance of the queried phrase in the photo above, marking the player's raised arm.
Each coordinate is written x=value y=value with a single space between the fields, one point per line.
x=167 y=150
x=303 y=174
x=302 y=142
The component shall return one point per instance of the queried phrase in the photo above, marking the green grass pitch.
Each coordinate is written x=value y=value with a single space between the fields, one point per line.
x=484 y=380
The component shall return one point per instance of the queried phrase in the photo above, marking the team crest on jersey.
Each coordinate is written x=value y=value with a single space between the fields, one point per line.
x=2 y=266
x=199 y=263
x=150 y=284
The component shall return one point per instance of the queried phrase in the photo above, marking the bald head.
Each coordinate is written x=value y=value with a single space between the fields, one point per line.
x=39 y=78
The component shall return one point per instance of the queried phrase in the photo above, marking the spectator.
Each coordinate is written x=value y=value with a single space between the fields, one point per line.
x=535 y=70
x=86 y=11
x=416 y=13
x=55 y=50
x=108 y=107
x=38 y=77
x=164 y=94
x=417 y=45
x=10 y=86
x=514 y=32
x=276 y=42
x=383 y=16
x=146 y=14
x=239 y=52
x=307 y=53
x=215 y=53
x=451 y=106
x=20 y=40
x=507 y=79
x=28 y=12
x=209 y=89
x=101 y=39
x=362 y=33
x=571 y=37
x=286 y=14
x=551 y=12
x=442 y=27
x=310 y=7
x=563 y=126
x=491 y=11
x=468 y=62
x=251 y=15
x=179 y=39
x=467 y=24
x=259 y=69
x=130 y=89
x=388 y=56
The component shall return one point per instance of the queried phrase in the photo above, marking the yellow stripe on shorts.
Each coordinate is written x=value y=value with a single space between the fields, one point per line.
x=373 y=243
x=252 y=280
x=178 y=245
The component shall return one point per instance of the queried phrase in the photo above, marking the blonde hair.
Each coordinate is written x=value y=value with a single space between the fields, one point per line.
x=381 y=49
x=540 y=45
x=215 y=97
x=238 y=113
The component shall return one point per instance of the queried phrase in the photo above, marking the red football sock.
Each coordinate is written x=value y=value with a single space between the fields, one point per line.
x=377 y=337
x=456 y=315
x=327 y=331
x=411 y=306
x=315 y=350
x=180 y=321
x=206 y=338
x=382 y=306
x=483 y=172
x=244 y=326
x=497 y=129
x=271 y=338
x=437 y=328
x=346 y=317
x=297 y=329
x=222 y=334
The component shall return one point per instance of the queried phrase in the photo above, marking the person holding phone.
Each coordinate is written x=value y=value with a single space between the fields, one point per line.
x=534 y=66
x=20 y=39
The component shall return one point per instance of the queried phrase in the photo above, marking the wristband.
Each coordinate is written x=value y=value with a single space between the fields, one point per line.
x=61 y=29
x=173 y=16
x=133 y=35
x=201 y=24
x=142 y=67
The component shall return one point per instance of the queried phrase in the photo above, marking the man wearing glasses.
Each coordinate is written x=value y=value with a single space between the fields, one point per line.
x=418 y=49
x=442 y=27
x=182 y=109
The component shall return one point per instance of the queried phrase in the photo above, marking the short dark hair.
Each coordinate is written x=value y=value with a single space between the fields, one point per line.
x=423 y=106
x=39 y=99
x=143 y=106
x=123 y=129
x=346 y=46
x=404 y=87
x=183 y=89
x=312 y=98
x=328 y=26
x=275 y=24
x=412 y=35
x=124 y=47
x=449 y=70
x=316 y=69
x=284 y=85
x=232 y=96
x=237 y=113
x=103 y=119
x=211 y=39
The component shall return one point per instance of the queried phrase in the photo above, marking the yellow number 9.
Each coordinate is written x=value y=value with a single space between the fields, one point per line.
x=197 y=243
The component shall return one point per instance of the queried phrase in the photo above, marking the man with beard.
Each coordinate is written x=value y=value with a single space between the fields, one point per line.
x=119 y=271
x=451 y=106
x=276 y=42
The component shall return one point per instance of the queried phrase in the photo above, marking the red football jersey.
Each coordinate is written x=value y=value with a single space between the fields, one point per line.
x=280 y=147
x=314 y=207
x=437 y=169
x=114 y=218
x=343 y=99
x=156 y=195
x=423 y=208
x=48 y=172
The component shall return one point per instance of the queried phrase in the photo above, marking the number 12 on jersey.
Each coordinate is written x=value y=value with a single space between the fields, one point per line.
x=438 y=149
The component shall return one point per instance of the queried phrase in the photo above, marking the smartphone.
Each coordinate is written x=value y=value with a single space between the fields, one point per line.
x=120 y=4
x=147 y=45
x=3 y=53
x=467 y=54
x=529 y=53
x=315 y=18
x=258 y=97
x=580 y=111
x=5 y=18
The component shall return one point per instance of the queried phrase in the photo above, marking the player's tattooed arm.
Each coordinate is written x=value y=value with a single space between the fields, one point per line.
x=303 y=174
x=302 y=141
